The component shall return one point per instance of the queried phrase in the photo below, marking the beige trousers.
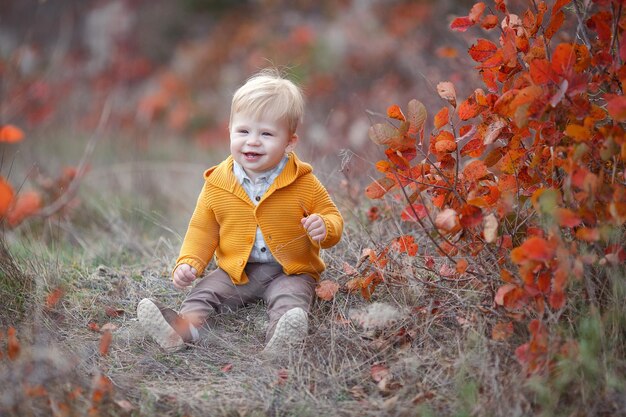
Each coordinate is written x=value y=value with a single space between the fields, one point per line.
x=267 y=281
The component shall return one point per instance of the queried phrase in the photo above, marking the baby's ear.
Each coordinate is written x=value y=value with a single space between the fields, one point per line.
x=292 y=143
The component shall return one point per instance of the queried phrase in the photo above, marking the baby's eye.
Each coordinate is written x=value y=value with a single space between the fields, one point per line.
x=244 y=131
x=268 y=134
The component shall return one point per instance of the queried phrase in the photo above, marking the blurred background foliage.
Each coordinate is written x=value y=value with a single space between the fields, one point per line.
x=170 y=67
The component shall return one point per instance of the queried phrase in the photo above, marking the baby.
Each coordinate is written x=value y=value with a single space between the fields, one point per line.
x=264 y=216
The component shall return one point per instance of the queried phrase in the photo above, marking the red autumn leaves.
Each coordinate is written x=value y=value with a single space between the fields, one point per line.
x=529 y=169
x=15 y=207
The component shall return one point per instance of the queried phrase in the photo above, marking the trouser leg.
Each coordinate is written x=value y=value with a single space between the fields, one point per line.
x=217 y=293
x=284 y=293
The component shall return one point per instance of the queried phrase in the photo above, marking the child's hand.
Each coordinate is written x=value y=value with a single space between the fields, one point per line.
x=315 y=227
x=184 y=276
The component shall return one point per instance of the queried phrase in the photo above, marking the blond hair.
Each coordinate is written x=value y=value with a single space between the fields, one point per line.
x=268 y=93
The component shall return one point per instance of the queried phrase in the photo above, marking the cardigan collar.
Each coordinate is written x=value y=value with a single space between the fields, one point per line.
x=222 y=174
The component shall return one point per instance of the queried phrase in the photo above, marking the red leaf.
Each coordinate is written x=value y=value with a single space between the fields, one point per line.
x=461 y=265
x=404 y=244
x=105 y=343
x=616 y=107
x=535 y=249
x=557 y=300
x=227 y=367
x=93 y=326
x=25 y=205
x=379 y=372
x=563 y=58
x=502 y=292
x=566 y=217
x=475 y=171
x=326 y=289
x=379 y=188
x=541 y=71
x=556 y=21
x=409 y=212
x=482 y=50
x=395 y=112
x=502 y=331
x=477 y=11
x=53 y=298
x=13 y=345
x=442 y=118
x=113 y=312
x=468 y=109
x=6 y=196
x=461 y=24
x=489 y=22
x=11 y=134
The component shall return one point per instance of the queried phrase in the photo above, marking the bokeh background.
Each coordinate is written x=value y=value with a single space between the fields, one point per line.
x=168 y=70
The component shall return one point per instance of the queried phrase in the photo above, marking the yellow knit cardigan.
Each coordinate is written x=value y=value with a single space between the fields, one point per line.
x=224 y=222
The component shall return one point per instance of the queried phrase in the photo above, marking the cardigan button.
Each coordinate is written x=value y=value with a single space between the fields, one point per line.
x=241 y=262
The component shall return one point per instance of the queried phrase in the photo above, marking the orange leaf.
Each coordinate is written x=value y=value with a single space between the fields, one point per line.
x=616 y=107
x=26 y=204
x=379 y=372
x=482 y=50
x=469 y=109
x=535 y=249
x=406 y=244
x=53 y=298
x=6 y=196
x=409 y=212
x=379 y=188
x=13 y=345
x=489 y=22
x=555 y=24
x=461 y=24
x=566 y=217
x=445 y=146
x=105 y=343
x=502 y=331
x=557 y=299
x=502 y=291
x=395 y=112
x=475 y=171
x=461 y=265
x=477 y=11
x=447 y=92
x=326 y=289
x=93 y=326
x=442 y=118
x=540 y=71
x=563 y=58
x=588 y=234
x=447 y=52
x=11 y=134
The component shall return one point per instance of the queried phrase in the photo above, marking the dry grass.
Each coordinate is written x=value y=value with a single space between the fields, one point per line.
x=440 y=358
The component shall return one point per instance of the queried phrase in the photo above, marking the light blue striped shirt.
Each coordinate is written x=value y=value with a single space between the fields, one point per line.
x=256 y=190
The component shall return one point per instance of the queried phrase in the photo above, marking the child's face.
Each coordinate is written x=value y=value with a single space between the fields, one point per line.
x=259 y=143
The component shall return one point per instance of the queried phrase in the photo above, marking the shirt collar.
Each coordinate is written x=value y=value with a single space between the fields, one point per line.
x=241 y=175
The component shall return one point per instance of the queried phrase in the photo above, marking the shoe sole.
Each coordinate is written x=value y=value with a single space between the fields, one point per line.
x=155 y=325
x=291 y=329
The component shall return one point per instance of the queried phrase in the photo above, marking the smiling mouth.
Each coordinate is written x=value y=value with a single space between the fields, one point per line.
x=251 y=154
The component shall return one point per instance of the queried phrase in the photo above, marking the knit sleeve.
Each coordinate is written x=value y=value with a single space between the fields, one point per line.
x=328 y=211
x=202 y=236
